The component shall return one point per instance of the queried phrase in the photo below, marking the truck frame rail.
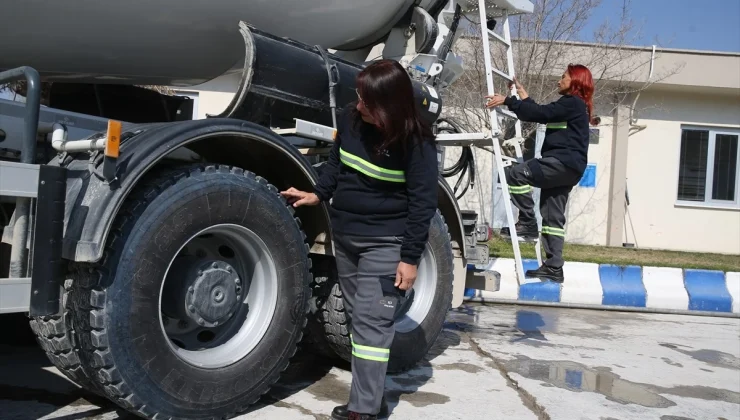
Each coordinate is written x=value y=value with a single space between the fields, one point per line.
x=40 y=194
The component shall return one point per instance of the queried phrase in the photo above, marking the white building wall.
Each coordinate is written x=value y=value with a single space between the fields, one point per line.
x=653 y=167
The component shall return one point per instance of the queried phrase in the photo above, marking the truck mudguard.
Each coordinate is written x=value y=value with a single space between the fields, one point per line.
x=92 y=203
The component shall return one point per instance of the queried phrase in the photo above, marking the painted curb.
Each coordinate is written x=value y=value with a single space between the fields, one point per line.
x=652 y=289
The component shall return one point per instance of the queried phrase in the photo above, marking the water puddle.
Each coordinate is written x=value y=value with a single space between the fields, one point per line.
x=416 y=398
x=465 y=367
x=710 y=357
x=330 y=388
x=579 y=378
x=671 y=362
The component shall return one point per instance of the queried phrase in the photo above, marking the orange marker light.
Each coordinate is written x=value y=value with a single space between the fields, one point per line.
x=113 y=139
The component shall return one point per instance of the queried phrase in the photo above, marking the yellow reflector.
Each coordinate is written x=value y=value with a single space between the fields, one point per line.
x=113 y=139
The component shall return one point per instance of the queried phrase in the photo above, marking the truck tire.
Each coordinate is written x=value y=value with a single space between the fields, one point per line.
x=56 y=336
x=201 y=297
x=315 y=339
x=419 y=326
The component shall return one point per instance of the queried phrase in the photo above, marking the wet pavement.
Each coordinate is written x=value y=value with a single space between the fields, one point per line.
x=491 y=362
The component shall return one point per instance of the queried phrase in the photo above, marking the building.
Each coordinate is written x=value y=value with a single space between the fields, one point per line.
x=664 y=177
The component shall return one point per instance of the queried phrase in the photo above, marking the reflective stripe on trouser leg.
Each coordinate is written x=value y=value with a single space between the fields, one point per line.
x=519 y=178
x=549 y=230
x=520 y=189
x=376 y=354
x=552 y=208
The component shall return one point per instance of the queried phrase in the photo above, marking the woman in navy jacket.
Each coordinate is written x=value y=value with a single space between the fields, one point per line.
x=382 y=178
x=563 y=161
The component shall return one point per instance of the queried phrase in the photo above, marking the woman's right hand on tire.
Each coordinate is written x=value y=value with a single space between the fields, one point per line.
x=300 y=198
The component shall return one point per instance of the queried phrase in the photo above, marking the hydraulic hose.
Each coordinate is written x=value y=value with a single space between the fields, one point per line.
x=465 y=165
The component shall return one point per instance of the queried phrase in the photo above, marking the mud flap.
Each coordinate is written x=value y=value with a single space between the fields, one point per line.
x=47 y=269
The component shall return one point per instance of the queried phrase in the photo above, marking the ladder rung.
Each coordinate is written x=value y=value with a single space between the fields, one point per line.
x=463 y=139
x=499 y=38
x=502 y=74
x=506 y=113
x=461 y=136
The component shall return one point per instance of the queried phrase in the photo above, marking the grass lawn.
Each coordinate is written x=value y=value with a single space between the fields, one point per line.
x=501 y=247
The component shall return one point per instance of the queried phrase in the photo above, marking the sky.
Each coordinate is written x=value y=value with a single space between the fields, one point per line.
x=686 y=24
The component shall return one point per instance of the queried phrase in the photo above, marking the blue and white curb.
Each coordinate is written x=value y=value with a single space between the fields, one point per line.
x=630 y=287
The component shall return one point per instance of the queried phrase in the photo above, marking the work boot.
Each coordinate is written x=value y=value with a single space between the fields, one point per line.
x=342 y=413
x=547 y=272
x=527 y=232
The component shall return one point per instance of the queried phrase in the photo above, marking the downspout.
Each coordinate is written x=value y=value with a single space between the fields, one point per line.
x=634 y=127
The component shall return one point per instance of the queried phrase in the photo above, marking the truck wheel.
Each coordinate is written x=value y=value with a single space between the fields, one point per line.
x=422 y=319
x=201 y=297
x=56 y=336
x=315 y=339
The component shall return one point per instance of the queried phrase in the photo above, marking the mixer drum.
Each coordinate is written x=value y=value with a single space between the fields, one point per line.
x=175 y=43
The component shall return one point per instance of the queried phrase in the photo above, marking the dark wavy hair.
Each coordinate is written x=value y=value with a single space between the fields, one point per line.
x=388 y=95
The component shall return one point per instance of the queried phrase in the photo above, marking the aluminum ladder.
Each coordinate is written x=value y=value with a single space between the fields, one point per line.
x=501 y=160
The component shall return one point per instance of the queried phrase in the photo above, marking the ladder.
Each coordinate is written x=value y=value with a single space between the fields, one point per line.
x=501 y=160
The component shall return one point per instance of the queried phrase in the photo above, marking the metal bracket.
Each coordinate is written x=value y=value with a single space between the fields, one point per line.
x=481 y=278
x=310 y=130
x=109 y=168
x=14 y=295
x=18 y=179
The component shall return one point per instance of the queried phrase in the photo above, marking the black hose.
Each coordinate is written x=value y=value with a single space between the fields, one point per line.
x=465 y=165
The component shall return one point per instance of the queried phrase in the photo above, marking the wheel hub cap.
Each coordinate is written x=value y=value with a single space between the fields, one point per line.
x=214 y=295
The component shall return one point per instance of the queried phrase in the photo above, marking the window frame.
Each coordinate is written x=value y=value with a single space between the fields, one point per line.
x=708 y=201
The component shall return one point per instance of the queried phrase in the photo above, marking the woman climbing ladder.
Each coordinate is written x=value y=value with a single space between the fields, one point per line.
x=563 y=161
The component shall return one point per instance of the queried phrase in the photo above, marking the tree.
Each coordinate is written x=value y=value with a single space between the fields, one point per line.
x=544 y=42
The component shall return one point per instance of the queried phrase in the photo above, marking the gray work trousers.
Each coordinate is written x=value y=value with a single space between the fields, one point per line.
x=367 y=273
x=555 y=181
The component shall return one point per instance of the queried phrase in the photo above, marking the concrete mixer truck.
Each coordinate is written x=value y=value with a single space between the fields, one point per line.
x=157 y=262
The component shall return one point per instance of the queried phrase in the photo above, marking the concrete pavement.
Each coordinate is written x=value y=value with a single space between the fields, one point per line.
x=578 y=364
x=491 y=362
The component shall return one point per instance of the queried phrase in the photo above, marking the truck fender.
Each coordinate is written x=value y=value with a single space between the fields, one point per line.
x=93 y=203
x=450 y=210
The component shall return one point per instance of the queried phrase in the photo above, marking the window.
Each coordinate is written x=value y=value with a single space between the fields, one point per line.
x=708 y=168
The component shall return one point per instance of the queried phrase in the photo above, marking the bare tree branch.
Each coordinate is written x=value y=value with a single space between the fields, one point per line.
x=545 y=42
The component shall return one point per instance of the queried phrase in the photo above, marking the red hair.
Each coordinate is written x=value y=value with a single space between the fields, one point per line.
x=582 y=86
